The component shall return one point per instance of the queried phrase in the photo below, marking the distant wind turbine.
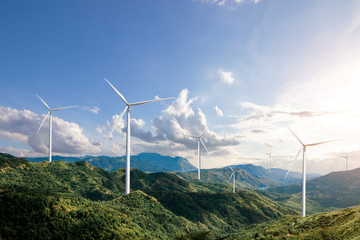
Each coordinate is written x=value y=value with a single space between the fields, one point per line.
x=199 y=150
x=233 y=175
x=269 y=154
x=50 y=123
x=128 y=108
x=304 y=169
x=346 y=159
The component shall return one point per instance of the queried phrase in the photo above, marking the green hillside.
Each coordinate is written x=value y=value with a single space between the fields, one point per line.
x=36 y=215
x=342 y=225
x=161 y=205
x=330 y=192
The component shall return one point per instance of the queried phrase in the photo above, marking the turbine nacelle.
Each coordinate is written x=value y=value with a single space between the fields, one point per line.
x=128 y=106
x=50 y=111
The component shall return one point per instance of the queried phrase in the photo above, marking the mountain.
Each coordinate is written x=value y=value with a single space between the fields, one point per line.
x=276 y=174
x=148 y=162
x=248 y=175
x=341 y=225
x=332 y=191
x=49 y=200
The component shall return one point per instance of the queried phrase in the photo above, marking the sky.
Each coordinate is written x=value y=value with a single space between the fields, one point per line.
x=244 y=70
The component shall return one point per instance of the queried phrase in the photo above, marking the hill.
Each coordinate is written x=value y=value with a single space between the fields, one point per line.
x=160 y=206
x=38 y=215
x=332 y=191
x=147 y=162
x=344 y=224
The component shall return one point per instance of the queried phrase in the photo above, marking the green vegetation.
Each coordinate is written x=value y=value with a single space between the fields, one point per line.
x=51 y=200
x=344 y=224
x=327 y=193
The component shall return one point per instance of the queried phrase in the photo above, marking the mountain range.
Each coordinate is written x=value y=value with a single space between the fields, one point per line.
x=249 y=176
x=147 y=162
x=67 y=197
x=77 y=200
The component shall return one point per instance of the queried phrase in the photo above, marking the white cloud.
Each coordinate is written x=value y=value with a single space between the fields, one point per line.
x=226 y=77
x=94 y=110
x=218 y=111
x=21 y=126
x=177 y=120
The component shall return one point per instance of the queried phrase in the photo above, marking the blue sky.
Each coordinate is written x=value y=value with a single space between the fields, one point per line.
x=242 y=69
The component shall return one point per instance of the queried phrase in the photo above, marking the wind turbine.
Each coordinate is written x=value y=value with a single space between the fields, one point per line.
x=233 y=175
x=50 y=123
x=199 y=153
x=269 y=161
x=346 y=159
x=128 y=108
x=304 y=169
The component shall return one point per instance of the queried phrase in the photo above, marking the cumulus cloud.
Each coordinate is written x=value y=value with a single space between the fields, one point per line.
x=179 y=120
x=218 y=111
x=21 y=126
x=226 y=77
x=176 y=122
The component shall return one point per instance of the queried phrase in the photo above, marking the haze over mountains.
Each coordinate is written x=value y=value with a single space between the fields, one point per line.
x=148 y=162
x=250 y=176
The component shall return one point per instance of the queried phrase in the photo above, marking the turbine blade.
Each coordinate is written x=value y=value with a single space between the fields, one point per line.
x=47 y=115
x=192 y=136
x=231 y=176
x=120 y=95
x=149 y=101
x=203 y=144
x=287 y=173
x=202 y=132
x=314 y=144
x=296 y=136
x=57 y=109
x=44 y=102
x=297 y=155
x=231 y=168
x=116 y=124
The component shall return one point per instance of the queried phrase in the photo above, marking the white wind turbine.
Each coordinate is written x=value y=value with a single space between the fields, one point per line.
x=199 y=150
x=128 y=108
x=346 y=159
x=233 y=175
x=50 y=123
x=304 y=169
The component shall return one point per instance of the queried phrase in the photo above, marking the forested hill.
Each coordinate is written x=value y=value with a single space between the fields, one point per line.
x=332 y=191
x=52 y=200
x=147 y=162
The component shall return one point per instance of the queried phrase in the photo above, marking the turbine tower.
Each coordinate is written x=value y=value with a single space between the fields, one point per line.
x=50 y=123
x=233 y=175
x=128 y=108
x=346 y=159
x=269 y=154
x=304 y=146
x=199 y=153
